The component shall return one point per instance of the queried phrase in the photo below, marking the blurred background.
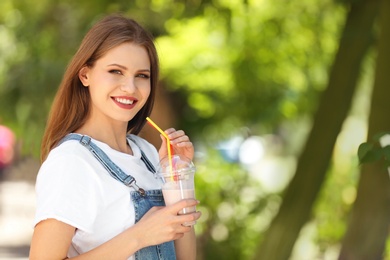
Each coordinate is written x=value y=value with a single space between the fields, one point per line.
x=276 y=95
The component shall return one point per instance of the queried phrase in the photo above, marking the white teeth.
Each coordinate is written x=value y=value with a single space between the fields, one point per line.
x=124 y=101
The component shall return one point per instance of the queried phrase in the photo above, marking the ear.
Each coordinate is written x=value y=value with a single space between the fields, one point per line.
x=83 y=76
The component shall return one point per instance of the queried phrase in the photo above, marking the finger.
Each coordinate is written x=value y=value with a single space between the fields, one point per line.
x=178 y=139
x=186 y=144
x=184 y=203
x=189 y=217
x=163 y=148
x=183 y=228
x=164 y=140
x=170 y=131
x=177 y=134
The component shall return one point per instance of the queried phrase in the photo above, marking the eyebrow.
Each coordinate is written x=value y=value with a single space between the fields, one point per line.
x=125 y=68
x=120 y=66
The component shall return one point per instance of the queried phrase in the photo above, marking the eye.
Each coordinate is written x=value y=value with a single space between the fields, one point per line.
x=143 y=75
x=116 y=72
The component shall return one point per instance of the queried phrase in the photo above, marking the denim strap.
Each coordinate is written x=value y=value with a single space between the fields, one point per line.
x=144 y=158
x=109 y=165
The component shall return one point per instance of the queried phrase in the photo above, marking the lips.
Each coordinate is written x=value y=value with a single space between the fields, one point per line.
x=125 y=102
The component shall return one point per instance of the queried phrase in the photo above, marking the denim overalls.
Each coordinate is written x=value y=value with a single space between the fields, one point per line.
x=143 y=200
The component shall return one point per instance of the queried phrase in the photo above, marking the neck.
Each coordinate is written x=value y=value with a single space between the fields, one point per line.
x=113 y=137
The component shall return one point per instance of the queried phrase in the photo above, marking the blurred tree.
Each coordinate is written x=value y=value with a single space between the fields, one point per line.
x=263 y=62
x=313 y=163
x=40 y=48
x=225 y=65
x=370 y=220
x=37 y=40
x=222 y=54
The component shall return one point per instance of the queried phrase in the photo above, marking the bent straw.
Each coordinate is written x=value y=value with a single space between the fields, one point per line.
x=168 y=143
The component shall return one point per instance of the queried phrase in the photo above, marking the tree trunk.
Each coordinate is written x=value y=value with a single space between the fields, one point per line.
x=334 y=106
x=370 y=220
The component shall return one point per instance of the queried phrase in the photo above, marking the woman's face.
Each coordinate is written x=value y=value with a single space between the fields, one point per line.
x=119 y=83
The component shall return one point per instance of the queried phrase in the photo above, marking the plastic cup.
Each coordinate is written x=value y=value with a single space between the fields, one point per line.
x=178 y=182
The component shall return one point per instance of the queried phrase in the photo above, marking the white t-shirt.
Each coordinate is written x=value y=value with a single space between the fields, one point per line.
x=73 y=187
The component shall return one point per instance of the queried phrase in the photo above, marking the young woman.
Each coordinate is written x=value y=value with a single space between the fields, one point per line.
x=97 y=196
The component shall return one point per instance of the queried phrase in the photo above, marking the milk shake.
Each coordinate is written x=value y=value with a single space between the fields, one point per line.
x=173 y=196
x=178 y=182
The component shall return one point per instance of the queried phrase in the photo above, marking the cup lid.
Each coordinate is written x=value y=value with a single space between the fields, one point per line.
x=179 y=164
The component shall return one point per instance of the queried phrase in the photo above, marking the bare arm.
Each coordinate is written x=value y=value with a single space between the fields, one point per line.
x=186 y=246
x=52 y=238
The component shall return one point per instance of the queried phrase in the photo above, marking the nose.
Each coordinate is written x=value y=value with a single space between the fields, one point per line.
x=128 y=85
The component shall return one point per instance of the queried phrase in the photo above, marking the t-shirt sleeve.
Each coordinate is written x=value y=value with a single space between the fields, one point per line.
x=66 y=190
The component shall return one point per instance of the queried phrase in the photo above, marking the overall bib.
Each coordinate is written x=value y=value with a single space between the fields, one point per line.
x=143 y=200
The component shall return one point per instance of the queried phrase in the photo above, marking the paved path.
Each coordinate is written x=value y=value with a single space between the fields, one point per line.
x=17 y=206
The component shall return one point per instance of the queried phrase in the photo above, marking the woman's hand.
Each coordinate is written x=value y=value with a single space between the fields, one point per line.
x=180 y=143
x=162 y=224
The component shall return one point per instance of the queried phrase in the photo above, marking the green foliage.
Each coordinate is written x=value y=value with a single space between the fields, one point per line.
x=264 y=61
x=235 y=209
x=373 y=151
x=41 y=48
x=249 y=62
x=231 y=65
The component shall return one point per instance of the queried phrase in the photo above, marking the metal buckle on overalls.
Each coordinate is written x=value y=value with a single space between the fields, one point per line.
x=85 y=140
x=138 y=189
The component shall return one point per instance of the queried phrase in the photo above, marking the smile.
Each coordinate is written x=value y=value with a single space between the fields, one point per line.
x=124 y=101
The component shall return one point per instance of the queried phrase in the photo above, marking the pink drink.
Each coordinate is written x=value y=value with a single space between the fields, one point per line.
x=178 y=182
x=173 y=196
x=174 y=191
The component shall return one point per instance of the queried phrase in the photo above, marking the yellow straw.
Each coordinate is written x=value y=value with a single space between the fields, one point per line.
x=168 y=143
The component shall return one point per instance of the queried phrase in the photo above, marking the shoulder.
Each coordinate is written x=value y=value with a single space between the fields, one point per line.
x=68 y=160
x=68 y=151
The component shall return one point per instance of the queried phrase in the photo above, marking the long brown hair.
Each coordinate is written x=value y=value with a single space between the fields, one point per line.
x=71 y=104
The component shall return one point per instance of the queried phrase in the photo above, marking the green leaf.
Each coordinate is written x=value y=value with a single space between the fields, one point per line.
x=386 y=153
x=367 y=152
x=363 y=150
